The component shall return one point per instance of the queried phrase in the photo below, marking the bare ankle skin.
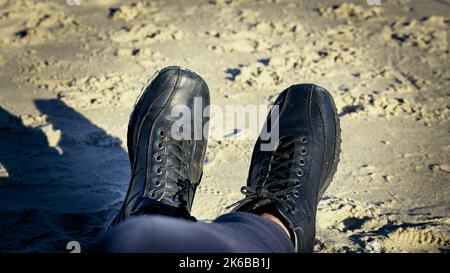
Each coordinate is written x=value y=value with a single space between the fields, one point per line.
x=277 y=221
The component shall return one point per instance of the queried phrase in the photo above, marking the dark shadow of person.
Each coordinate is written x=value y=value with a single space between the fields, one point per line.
x=50 y=195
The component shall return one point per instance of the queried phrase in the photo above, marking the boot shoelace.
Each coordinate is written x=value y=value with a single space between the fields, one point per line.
x=177 y=162
x=282 y=180
x=177 y=171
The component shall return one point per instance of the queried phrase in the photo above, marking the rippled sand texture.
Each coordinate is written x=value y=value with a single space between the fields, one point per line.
x=69 y=76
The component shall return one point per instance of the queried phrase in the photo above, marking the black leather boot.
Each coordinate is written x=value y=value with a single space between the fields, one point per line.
x=166 y=165
x=290 y=180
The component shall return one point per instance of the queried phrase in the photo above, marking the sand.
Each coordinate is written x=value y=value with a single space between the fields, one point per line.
x=70 y=74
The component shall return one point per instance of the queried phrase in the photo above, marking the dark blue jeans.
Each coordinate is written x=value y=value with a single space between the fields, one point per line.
x=237 y=232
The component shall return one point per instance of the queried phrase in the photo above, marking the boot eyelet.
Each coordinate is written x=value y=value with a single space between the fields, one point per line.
x=304 y=139
x=157 y=183
x=300 y=173
x=296 y=194
x=158 y=170
x=158 y=157
x=303 y=151
x=159 y=145
x=302 y=162
x=152 y=194
x=161 y=133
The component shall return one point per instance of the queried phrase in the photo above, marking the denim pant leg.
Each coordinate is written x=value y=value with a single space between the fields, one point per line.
x=237 y=232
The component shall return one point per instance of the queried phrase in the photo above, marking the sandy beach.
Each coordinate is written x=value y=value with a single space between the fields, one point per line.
x=70 y=75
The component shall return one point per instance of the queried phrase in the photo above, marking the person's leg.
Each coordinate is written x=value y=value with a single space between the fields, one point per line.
x=230 y=233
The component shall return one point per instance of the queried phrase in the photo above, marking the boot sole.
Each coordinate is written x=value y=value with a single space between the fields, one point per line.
x=337 y=150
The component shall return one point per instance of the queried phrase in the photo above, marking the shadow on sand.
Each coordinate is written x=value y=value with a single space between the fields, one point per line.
x=52 y=195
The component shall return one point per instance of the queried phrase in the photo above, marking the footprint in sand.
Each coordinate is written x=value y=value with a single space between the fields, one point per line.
x=145 y=33
x=135 y=11
x=258 y=75
x=374 y=229
x=254 y=35
x=429 y=33
x=265 y=72
x=384 y=104
x=108 y=89
x=32 y=64
x=238 y=2
x=350 y=12
x=416 y=239
x=348 y=215
x=142 y=55
x=44 y=22
x=276 y=28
